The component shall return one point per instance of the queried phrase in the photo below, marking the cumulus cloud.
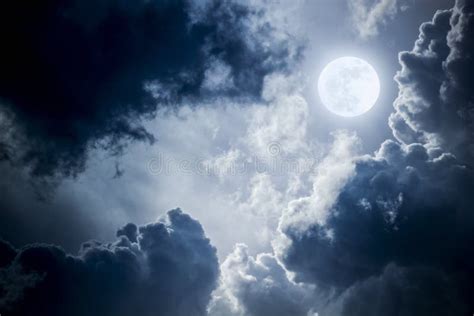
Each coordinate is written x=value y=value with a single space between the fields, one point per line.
x=258 y=286
x=170 y=269
x=368 y=15
x=79 y=74
x=402 y=225
x=435 y=102
x=191 y=62
x=390 y=232
x=226 y=145
x=387 y=206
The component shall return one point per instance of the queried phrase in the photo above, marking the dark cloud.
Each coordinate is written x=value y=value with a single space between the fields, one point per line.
x=81 y=74
x=84 y=74
x=435 y=102
x=130 y=231
x=402 y=228
x=406 y=210
x=7 y=253
x=170 y=270
x=400 y=291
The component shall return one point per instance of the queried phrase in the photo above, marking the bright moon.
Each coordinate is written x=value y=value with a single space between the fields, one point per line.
x=348 y=86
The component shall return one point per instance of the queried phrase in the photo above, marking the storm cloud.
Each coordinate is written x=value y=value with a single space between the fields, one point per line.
x=387 y=233
x=402 y=228
x=435 y=100
x=171 y=269
x=78 y=75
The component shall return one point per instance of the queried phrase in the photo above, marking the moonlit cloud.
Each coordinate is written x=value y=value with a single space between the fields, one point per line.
x=368 y=16
x=258 y=286
x=82 y=85
x=169 y=257
x=408 y=199
x=291 y=212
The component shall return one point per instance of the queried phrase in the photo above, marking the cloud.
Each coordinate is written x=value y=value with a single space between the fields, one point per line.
x=401 y=227
x=392 y=233
x=400 y=291
x=228 y=144
x=414 y=208
x=92 y=204
x=435 y=102
x=368 y=15
x=331 y=174
x=258 y=286
x=79 y=75
x=386 y=232
x=171 y=269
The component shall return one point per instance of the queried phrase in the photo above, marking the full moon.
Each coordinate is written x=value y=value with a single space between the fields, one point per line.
x=349 y=86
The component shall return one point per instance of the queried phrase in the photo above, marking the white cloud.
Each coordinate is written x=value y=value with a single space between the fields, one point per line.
x=368 y=16
x=330 y=176
x=258 y=286
x=218 y=76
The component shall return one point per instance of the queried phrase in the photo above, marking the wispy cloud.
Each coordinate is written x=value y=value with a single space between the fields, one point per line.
x=368 y=15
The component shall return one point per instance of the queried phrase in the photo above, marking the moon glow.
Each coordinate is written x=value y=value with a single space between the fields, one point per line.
x=348 y=86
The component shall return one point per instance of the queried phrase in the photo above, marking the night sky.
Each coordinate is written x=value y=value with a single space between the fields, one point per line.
x=175 y=158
